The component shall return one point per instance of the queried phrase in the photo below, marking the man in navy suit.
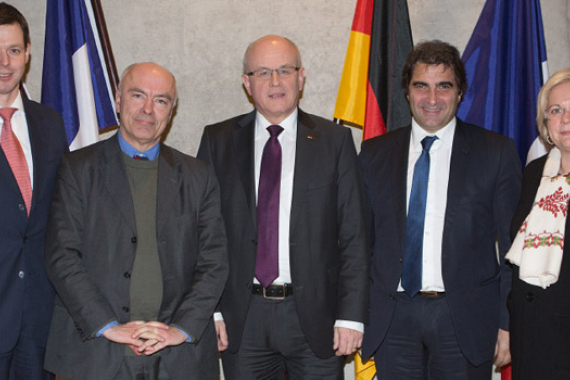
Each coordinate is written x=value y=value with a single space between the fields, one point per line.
x=441 y=193
x=26 y=296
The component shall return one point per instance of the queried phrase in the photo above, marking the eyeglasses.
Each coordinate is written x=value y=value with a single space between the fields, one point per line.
x=265 y=73
x=556 y=112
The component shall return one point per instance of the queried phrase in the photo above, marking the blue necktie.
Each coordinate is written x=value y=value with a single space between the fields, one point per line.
x=412 y=273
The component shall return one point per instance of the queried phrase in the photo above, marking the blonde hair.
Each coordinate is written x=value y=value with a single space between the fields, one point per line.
x=561 y=76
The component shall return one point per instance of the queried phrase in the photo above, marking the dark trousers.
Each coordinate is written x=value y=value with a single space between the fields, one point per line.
x=142 y=368
x=26 y=359
x=273 y=343
x=421 y=344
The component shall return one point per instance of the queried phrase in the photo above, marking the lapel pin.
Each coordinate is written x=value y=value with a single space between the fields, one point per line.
x=310 y=137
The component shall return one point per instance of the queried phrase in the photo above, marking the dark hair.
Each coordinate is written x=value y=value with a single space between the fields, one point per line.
x=435 y=52
x=10 y=15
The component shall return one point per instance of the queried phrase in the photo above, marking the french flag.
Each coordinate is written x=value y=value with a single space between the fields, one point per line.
x=79 y=75
x=506 y=65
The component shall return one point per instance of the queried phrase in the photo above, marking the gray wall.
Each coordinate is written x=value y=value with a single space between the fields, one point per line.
x=202 y=43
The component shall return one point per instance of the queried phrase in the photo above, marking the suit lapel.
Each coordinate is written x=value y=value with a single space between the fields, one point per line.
x=39 y=152
x=401 y=153
x=459 y=160
x=457 y=172
x=306 y=149
x=244 y=152
x=169 y=182
x=116 y=181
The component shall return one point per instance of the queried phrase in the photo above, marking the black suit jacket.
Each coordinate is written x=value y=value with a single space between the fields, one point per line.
x=540 y=318
x=328 y=237
x=24 y=287
x=90 y=249
x=484 y=183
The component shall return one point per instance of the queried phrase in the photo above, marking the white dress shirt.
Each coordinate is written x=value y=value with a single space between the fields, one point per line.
x=20 y=128
x=288 y=141
x=436 y=203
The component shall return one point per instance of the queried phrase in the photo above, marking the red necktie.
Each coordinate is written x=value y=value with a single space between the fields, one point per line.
x=267 y=261
x=15 y=156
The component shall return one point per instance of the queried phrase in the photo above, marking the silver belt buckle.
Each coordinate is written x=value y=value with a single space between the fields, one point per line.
x=275 y=298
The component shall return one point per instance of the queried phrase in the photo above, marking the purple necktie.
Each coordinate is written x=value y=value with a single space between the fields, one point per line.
x=267 y=261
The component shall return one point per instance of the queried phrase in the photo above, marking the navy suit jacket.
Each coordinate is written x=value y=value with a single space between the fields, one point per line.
x=25 y=292
x=484 y=184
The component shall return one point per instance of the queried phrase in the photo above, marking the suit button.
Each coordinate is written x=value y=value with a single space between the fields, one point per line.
x=392 y=297
x=254 y=241
x=21 y=274
x=248 y=286
x=401 y=259
x=529 y=297
x=134 y=239
x=21 y=207
x=125 y=309
x=127 y=275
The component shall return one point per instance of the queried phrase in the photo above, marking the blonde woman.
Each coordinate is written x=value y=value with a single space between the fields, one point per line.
x=540 y=297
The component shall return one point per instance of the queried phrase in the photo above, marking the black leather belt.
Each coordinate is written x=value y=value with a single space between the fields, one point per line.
x=431 y=293
x=273 y=292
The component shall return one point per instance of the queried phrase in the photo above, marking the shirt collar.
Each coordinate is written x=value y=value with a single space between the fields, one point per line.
x=289 y=125
x=18 y=103
x=128 y=149
x=444 y=135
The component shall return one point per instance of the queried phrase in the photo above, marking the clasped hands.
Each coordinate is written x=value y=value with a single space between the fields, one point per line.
x=145 y=338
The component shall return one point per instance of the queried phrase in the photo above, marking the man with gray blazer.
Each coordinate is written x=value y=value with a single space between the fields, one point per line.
x=294 y=209
x=136 y=249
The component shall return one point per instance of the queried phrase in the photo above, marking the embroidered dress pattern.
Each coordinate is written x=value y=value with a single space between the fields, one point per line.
x=539 y=244
x=555 y=203
x=544 y=239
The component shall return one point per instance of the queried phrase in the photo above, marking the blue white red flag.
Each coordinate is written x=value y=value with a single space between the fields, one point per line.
x=76 y=81
x=506 y=65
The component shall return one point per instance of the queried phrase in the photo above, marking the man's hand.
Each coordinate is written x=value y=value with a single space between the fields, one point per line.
x=158 y=336
x=502 y=351
x=123 y=334
x=222 y=335
x=346 y=341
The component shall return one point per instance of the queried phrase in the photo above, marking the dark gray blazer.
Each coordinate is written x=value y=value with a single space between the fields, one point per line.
x=91 y=241
x=329 y=250
x=484 y=185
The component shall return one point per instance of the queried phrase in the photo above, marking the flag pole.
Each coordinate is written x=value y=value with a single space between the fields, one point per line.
x=105 y=44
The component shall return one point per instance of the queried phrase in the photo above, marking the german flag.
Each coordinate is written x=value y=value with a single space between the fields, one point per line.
x=370 y=93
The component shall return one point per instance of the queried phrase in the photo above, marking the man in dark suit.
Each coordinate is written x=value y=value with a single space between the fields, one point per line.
x=313 y=301
x=33 y=140
x=136 y=249
x=441 y=193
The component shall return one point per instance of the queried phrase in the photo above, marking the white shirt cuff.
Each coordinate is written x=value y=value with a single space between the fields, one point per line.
x=358 y=326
